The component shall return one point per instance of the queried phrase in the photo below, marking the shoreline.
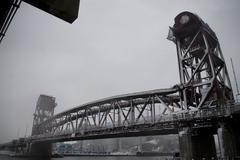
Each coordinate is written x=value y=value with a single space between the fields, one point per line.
x=56 y=155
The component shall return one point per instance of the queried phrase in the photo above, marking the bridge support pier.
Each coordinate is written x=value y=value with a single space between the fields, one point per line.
x=229 y=141
x=196 y=144
x=42 y=149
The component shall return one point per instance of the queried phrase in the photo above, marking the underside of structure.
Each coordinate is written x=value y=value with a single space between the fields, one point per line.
x=66 y=10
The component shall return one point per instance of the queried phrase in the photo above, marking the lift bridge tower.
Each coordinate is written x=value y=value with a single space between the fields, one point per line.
x=44 y=110
x=204 y=78
x=204 y=85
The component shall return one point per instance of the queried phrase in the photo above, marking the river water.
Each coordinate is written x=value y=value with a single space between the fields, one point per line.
x=88 y=158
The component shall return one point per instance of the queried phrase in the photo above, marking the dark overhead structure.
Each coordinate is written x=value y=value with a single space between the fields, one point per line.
x=8 y=8
x=66 y=10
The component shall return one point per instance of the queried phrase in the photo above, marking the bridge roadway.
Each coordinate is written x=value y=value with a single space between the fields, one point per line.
x=155 y=112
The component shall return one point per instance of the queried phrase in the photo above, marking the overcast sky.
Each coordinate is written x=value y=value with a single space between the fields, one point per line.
x=114 y=47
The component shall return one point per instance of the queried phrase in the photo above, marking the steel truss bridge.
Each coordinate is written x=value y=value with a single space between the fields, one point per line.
x=144 y=113
x=199 y=107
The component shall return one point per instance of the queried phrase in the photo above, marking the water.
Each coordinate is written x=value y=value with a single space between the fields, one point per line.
x=88 y=158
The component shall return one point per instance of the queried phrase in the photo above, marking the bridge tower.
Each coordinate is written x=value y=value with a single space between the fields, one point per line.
x=204 y=82
x=44 y=110
x=203 y=74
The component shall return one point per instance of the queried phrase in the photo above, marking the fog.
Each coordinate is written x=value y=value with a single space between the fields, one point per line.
x=114 y=47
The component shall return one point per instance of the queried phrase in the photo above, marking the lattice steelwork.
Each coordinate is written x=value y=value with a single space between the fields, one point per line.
x=126 y=110
x=44 y=110
x=203 y=73
x=202 y=96
x=138 y=114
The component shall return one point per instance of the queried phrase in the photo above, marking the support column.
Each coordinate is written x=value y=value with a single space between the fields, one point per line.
x=185 y=145
x=119 y=145
x=229 y=141
x=197 y=144
x=42 y=149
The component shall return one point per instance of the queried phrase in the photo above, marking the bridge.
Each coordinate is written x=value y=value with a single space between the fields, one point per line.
x=200 y=106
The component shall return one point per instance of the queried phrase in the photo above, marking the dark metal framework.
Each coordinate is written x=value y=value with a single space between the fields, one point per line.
x=124 y=110
x=44 y=110
x=138 y=114
x=203 y=74
x=7 y=12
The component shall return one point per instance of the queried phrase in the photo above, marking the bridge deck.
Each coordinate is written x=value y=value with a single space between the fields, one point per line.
x=208 y=118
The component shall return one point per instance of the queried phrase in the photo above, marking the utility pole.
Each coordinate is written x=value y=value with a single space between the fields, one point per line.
x=234 y=74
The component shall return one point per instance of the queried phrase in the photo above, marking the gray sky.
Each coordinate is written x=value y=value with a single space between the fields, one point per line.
x=114 y=47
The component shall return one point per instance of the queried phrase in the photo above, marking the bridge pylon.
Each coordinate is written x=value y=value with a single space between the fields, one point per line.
x=229 y=140
x=40 y=149
x=197 y=143
x=44 y=110
x=204 y=78
x=204 y=84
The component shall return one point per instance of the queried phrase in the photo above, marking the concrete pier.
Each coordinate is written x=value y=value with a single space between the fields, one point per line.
x=196 y=145
x=42 y=149
x=229 y=141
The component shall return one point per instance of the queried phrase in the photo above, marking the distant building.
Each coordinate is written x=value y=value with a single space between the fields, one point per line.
x=134 y=144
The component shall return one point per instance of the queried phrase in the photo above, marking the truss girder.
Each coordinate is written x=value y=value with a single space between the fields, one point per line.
x=114 y=112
